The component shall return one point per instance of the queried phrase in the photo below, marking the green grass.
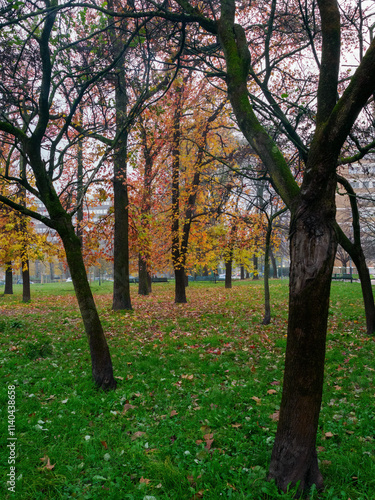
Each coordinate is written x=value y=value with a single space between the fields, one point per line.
x=198 y=385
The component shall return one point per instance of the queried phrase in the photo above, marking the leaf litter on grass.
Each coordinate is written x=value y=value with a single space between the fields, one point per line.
x=197 y=403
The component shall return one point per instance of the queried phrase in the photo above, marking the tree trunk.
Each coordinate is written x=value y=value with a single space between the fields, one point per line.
x=121 y=287
x=313 y=246
x=228 y=274
x=180 y=289
x=267 y=303
x=356 y=253
x=242 y=272
x=102 y=371
x=144 y=285
x=8 y=290
x=274 y=264
x=255 y=265
x=178 y=254
x=26 y=292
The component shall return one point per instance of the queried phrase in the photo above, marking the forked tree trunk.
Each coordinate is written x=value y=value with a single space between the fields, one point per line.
x=8 y=290
x=102 y=371
x=313 y=247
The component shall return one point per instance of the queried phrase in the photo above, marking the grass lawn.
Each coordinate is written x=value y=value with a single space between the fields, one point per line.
x=199 y=386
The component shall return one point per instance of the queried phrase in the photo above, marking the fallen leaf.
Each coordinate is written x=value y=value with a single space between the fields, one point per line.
x=275 y=382
x=144 y=480
x=173 y=413
x=198 y=495
x=120 y=378
x=104 y=444
x=275 y=416
x=271 y=391
x=257 y=400
x=137 y=435
x=47 y=463
x=328 y=435
x=337 y=387
x=188 y=377
x=199 y=441
x=236 y=426
x=127 y=407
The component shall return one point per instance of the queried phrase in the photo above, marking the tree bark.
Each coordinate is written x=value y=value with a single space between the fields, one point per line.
x=102 y=371
x=178 y=255
x=26 y=292
x=242 y=272
x=267 y=302
x=144 y=285
x=313 y=247
x=356 y=253
x=8 y=290
x=121 y=287
x=255 y=265
x=228 y=273
x=180 y=288
x=274 y=264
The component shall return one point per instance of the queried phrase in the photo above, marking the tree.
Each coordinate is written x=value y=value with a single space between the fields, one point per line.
x=313 y=234
x=43 y=92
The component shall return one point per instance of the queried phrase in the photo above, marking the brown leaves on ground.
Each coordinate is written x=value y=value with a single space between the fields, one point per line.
x=47 y=463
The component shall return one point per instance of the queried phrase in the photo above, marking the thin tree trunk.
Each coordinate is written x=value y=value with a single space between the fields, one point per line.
x=228 y=273
x=121 y=287
x=8 y=290
x=26 y=292
x=144 y=258
x=267 y=302
x=177 y=256
x=274 y=264
x=255 y=265
x=356 y=253
x=242 y=272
